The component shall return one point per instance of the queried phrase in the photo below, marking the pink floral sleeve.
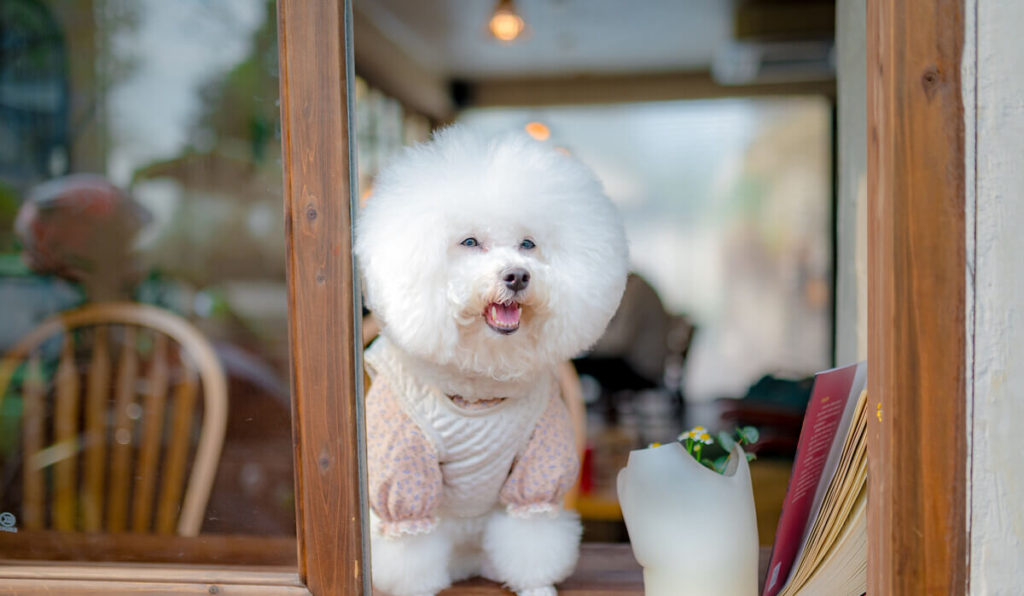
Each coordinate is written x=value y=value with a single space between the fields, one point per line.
x=404 y=473
x=547 y=468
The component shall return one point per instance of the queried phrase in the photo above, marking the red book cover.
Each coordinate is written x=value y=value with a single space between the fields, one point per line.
x=822 y=429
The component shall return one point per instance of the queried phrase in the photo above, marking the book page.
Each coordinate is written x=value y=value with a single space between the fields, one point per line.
x=843 y=570
x=850 y=479
x=829 y=416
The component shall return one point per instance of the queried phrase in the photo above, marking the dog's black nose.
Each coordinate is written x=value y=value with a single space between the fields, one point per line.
x=516 y=278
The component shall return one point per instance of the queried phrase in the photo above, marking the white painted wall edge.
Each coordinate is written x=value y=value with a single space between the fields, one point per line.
x=993 y=92
x=968 y=83
x=851 y=202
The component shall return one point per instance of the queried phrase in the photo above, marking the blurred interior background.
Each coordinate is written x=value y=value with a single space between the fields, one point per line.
x=711 y=125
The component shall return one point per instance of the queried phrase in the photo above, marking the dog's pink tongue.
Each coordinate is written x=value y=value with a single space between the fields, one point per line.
x=506 y=315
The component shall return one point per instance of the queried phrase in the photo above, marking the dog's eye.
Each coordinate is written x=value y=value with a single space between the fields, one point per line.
x=471 y=242
x=527 y=244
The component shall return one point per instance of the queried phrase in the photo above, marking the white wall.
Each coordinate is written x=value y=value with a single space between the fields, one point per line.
x=993 y=91
x=851 y=203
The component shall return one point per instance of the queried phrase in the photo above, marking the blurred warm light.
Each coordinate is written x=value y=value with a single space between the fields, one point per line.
x=563 y=150
x=538 y=130
x=817 y=293
x=505 y=24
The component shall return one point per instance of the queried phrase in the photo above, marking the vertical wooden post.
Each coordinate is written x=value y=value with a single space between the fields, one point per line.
x=316 y=71
x=917 y=528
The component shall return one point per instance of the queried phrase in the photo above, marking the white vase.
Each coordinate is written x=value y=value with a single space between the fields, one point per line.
x=693 y=530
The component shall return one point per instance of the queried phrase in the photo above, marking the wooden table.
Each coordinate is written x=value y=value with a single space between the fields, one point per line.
x=604 y=569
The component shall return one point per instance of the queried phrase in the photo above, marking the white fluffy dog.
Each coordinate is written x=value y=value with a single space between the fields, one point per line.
x=487 y=263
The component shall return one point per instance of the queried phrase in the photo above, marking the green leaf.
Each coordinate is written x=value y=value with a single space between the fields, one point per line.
x=748 y=434
x=726 y=440
x=751 y=456
x=720 y=464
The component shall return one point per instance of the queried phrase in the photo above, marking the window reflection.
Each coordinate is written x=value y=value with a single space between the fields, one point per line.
x=383 y=127
x=140 y=165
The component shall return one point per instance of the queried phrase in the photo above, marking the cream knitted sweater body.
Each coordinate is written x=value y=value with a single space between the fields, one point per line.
x=431 y=455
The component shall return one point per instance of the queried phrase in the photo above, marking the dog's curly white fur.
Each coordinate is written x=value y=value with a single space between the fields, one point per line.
x=487 y=262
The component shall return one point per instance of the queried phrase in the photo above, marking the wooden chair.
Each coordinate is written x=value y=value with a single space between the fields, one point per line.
x=97 y=433
x=568 y=382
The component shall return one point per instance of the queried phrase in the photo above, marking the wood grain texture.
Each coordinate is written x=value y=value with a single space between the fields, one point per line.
x=917 y=528
x=230 y=574
x=33 y=512
x=152 y=436
x=603 y=569
x=619 y=88
x=95 y=448
x=122 y=432
x=143 y=587
x=206 y=549
x=176 y=456
x=65 y=435
x=326 y=404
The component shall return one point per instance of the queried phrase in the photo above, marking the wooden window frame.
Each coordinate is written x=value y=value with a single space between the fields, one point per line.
x=917 y=335
x=316 y=72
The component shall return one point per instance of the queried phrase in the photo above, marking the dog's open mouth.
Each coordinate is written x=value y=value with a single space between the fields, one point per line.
x=503 y=317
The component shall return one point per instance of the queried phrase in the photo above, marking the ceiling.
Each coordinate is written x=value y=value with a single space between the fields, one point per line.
x=449 y=38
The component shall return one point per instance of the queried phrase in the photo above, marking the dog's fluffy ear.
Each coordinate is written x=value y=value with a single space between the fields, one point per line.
x=401 y=244
x=435 y=191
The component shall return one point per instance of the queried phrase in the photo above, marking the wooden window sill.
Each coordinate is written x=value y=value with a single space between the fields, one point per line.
x=100 y=547
x=603 y=569
x=49 y=577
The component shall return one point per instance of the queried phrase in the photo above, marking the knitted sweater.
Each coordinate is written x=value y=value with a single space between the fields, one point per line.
x=431 y=455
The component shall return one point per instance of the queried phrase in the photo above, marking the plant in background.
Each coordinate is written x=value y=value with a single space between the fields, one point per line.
x=697 y=438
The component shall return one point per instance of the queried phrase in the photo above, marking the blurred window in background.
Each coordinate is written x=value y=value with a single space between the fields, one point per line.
x=728 y=208
x=383 y=127
x=140 y=163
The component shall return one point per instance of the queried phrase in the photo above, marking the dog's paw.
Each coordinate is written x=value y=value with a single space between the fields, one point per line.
x=537 y=551
x=410 y=565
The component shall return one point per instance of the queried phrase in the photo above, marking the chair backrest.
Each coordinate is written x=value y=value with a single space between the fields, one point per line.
x=104 y=444
x=568 y=383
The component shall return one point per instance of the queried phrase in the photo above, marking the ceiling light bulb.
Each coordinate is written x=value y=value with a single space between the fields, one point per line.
x=505 y=24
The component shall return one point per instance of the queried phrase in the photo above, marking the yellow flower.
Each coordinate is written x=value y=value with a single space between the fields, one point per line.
x=704 y=438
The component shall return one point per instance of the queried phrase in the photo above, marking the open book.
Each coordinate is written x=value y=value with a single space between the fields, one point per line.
x=821 y=541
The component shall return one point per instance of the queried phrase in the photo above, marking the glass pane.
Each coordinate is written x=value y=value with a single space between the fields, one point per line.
x=727 y=204
x=142 y=266
x=728 y=208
